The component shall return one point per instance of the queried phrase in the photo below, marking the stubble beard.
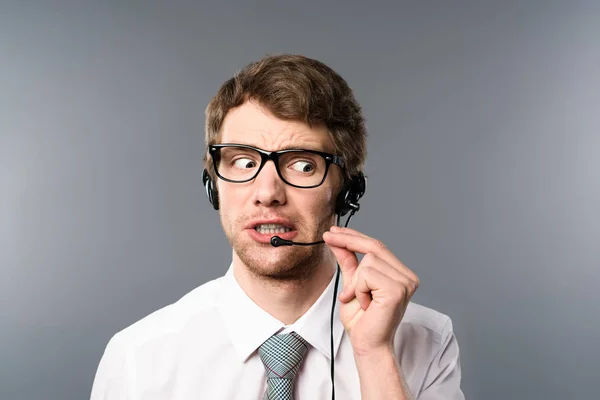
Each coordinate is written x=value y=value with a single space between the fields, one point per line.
x=285 y=263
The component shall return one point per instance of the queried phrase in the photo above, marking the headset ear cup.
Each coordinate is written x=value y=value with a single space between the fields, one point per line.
x=352 y=191
x=214 y=197
x=341 y=208
x=211 y=192
x=361 y=185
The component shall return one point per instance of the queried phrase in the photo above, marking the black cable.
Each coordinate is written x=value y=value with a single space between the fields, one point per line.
x=335 y=289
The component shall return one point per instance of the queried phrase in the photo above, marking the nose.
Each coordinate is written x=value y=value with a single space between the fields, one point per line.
x=269 y=189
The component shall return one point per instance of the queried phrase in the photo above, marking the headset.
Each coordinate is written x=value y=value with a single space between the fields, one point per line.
x=347 y=201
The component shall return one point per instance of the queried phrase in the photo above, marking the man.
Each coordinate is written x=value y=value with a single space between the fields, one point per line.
x=285 y=137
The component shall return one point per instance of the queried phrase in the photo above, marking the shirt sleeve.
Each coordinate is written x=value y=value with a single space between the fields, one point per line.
x=442 y=381
x=111 y=381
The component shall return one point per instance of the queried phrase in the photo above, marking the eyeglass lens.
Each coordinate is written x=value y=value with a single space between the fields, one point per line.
x=298 y=168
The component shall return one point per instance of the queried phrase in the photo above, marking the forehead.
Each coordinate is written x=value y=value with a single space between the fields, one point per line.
x=254 y=125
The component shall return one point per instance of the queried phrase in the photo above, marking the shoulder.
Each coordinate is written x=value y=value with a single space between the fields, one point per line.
x=201 y=302
x=428 y=318
x=428 y=347
x=154 y=337
x=424 y=329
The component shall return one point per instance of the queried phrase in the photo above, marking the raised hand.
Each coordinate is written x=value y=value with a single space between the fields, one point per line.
x=376 y=291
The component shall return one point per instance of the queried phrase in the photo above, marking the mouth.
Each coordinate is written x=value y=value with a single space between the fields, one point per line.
x=267 y=229
x=263 y=231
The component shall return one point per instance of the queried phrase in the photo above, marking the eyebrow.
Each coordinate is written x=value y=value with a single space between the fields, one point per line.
x=288 y=147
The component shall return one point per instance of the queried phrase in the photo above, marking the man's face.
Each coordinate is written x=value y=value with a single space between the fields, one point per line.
x=309 y=212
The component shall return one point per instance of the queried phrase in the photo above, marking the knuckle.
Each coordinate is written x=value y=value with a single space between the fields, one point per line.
x=368 y=259
x=368 y=270
x=411 y=289
x=407 y=283
x=379 y=244
x=402 y=291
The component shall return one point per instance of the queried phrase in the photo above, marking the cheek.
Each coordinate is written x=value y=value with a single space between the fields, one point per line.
x=330 y=193
x=320 y=202
x=328 y=196
x=231 y=197
x=231 y=204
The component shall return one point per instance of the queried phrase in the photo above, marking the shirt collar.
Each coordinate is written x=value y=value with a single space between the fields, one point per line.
x=249 y=326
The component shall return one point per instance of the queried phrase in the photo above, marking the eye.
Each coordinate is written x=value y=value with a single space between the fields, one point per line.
x=244 y=163
x=303 y=166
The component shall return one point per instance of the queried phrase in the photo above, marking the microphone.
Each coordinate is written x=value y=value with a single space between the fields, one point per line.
x=276 y=241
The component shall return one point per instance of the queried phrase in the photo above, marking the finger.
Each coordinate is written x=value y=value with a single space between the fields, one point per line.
x=370 y=280
x=347 y=261
x=369 y=260
x=342 y=229
x=364 y=244
x=352 y=290
x=372 y=261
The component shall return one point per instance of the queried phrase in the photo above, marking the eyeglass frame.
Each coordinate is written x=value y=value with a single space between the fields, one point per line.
x=274 y=156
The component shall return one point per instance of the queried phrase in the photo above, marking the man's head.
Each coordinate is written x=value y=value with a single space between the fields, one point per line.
x=283 y=102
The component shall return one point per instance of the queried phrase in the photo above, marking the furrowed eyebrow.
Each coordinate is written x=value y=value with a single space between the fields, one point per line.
x=288 y=147
x=300 y=148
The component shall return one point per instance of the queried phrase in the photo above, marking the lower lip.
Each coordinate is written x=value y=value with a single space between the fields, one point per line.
x=266 y=237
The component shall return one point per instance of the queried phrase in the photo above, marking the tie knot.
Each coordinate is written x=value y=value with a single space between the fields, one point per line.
x=282 y=354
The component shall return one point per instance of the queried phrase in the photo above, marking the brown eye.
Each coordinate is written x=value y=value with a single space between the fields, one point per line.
x=244 y=163
x=303 y=166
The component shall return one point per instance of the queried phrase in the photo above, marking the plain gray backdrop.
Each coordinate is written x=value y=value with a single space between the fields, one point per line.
x=483 y=167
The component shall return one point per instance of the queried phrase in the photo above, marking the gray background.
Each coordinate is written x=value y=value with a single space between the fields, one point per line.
x=483 y=172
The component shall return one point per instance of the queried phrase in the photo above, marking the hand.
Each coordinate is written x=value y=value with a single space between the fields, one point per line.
x=376 y=291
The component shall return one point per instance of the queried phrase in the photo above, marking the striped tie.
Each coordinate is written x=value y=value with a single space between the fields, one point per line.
x=282 y=355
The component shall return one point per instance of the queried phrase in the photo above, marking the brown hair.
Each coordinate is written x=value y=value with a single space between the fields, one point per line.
x=295 y=87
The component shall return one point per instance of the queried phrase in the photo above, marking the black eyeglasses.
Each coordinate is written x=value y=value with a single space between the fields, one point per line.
x=300 y=168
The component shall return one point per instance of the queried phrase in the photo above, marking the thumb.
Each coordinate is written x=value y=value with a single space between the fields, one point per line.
x=348 y=262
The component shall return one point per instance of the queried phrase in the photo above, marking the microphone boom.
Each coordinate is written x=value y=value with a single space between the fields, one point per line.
x=276 y=241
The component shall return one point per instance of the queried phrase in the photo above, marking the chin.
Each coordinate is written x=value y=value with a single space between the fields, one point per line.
x=282 y=263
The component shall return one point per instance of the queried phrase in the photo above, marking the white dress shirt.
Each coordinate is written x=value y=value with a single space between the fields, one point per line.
x=205 y=346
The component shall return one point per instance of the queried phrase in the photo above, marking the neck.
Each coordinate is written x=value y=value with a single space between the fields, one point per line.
x=285 y=300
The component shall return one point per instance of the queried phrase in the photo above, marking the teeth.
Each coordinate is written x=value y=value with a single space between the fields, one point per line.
x=271 y=228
